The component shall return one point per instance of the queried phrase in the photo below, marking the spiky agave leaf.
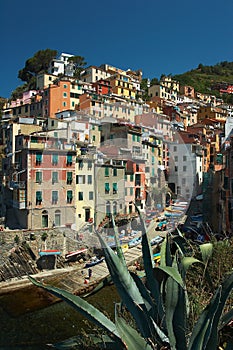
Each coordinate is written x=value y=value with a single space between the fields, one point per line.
x=102 y=342
x=165 y=252
x=151 y=281
x=206 y=251
x=205 y=332
x=129 y=335
x=119 y=250
x=106 y=281
x=127 y=289
x=86 y=309
x=175 y=311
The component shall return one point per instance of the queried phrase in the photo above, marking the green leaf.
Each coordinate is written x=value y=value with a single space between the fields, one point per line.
x=175 y=304
x=225 y=319
x=127 y=289
x=107 y=280
x=86 y=309
x=130 y=336
x=119 y=250
x=173 y=273
x=206 y=338
x=206 y=251
x=188 y=261
x=166 y=258
x=102 y=342
x=151 y=281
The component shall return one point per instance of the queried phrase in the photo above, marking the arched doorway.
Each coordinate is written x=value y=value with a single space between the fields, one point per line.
x=114 y=208
x=57 y=218
x=108 y=208
x=45 y=218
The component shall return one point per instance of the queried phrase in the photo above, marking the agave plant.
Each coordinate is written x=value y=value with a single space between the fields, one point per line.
x=160 y=306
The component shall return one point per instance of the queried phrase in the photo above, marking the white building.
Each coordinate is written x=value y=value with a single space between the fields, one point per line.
x=186 y=169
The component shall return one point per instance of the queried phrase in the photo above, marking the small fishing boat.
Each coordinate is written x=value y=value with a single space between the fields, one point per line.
x=75 y=253
x=94 y=261
x=49 y=252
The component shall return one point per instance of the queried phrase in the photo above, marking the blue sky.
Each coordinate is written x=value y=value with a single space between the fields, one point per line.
x=159 y=37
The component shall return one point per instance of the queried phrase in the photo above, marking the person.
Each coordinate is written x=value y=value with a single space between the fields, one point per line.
x=89 y=273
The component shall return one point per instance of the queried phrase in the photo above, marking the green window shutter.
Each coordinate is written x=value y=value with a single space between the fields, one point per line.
x=106 y=171
x=54 y=176
x=114 y=171
x=69 y=177
x=134 y=137
x=80 y=196
x=69 y=159
x=38 y=176
x=114 y=187
x=131 y=177
x=89 y=164
x=54 y=196
x=55 y=159
x=38 y=197
x=38 y=157
x=131 y=191
x=69 y=196
x=107 y=187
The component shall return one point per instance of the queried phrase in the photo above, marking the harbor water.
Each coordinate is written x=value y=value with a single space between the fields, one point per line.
x=30 y=318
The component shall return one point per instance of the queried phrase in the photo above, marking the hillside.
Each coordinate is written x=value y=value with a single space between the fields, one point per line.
x=203 y=78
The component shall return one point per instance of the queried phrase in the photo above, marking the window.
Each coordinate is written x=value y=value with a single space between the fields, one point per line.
x=107 y=188
x=69 y=196
x=106 y=171
x=183 y=181
x=80 y=196
x=54 y=177
x=69 y=159
x=114 y=187
x=80 y=164
x=114 y=171
x=38 y=197
x=54 y=159
x=64 y=104
x=176 y=158
x=89 y=165
x=57 y=218
x=69 y=177
x=131 y=177
x=45 y=218
x=184 y=158
x=175 y=148
x=89 y=179
x=39 y=177
x=38 y=158
x=91 y=195
x=80 y=179
x=93 y=138
x=184 y=168
x=54 y=197
x=65 y=87
x=176 y=168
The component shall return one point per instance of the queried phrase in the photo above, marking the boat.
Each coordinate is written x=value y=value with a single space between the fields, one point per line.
x=94 y=261
x=75 y=253
x=157 y=257
x=49 y=252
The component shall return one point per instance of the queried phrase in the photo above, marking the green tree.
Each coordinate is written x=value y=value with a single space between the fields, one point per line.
x=79 y=64
x=37 y=64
